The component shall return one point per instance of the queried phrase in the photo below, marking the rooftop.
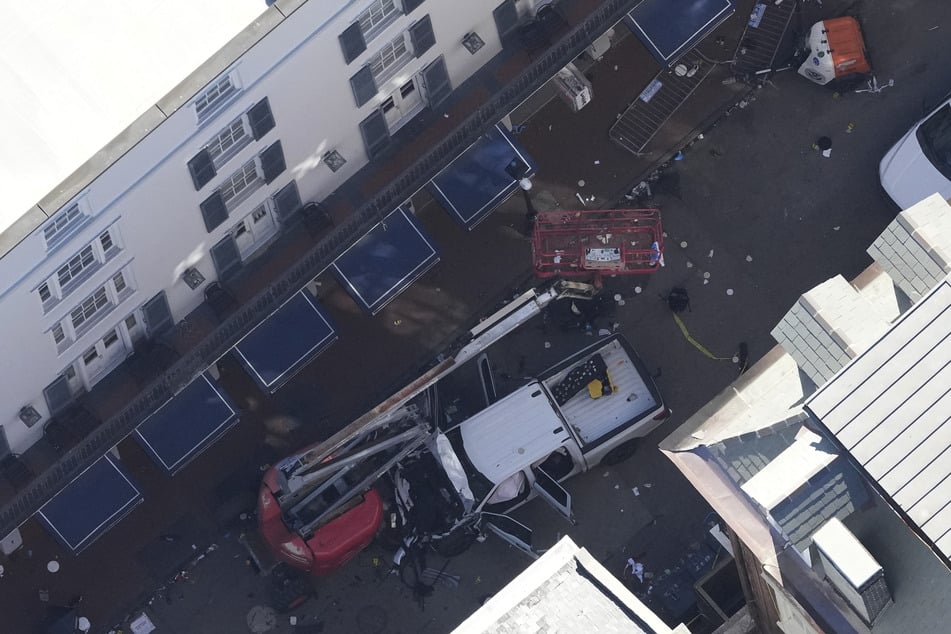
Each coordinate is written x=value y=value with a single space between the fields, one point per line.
x=75 y=75
x=890 y=410
x=566 y=590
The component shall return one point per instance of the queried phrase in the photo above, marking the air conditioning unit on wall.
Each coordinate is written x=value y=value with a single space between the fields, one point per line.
x=600 y=46
x=573 y=87
x=851 y=570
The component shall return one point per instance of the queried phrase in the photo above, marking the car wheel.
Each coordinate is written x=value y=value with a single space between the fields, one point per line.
x=620 y=453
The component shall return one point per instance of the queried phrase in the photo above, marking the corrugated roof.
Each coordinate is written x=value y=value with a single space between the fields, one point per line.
x=915 y=248
x=891 y=409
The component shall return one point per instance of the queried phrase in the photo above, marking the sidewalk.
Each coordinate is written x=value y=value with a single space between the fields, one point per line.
x=202 y=504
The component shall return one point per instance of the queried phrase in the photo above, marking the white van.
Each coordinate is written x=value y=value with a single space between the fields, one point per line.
x=920 y=163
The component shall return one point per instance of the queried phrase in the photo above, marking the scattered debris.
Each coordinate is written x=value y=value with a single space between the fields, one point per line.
x=581 y=199
x=683 y=244
x=637 y=569
x=710 y=255
x=603 y=332
x=53 y=566
x=836 y=228
x=729 y=291
x=397 y=322
x=581 y=183
x=824 y=145
x=547 y=345
x=749 y=258
x=689 y=264
x=636 y=492
x=849 y=128
x=706 y=275
x=638 y=289
x=597 y=162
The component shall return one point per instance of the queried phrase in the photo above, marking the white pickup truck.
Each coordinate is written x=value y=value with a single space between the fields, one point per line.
x=587 y=410
x=455 y=455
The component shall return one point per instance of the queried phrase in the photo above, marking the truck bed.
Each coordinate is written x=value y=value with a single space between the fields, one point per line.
x=633 y=397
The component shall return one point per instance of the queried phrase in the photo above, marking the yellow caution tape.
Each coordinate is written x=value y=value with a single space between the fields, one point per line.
x=696 y=343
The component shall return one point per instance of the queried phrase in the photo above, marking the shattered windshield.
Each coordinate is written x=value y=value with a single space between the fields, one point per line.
x=478 y=483
x=934 y=135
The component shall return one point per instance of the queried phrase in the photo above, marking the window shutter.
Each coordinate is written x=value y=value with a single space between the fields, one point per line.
x=157 y=315
x=57 y=395
x=506 y=18
x=410 y=5
x=287 y=201
x=226 y=257
x=214 y=212
x=376 y=134
x=352 y=42
x=272 y=162
x=363 y=85
x=202 y=169
x=260 y=118
x=422 y=36
x=436 y=80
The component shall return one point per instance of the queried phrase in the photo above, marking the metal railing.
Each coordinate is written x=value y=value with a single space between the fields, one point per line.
x=220 y=341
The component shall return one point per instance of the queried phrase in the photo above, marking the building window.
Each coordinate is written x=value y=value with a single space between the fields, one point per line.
x=130 y=322
x=44 y=292
x=118 y=282
x=76 y=265
x=90 y=356
x=228 y=141
x=377 y=17
x=90 y=306
x=58 y=335
x=62 y=224
x=214 y=96
x=105 y=241
x=242 y=182
x=390 y=59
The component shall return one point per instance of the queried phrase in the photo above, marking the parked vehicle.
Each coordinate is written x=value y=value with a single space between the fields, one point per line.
x=443 y=459
x=919 y=165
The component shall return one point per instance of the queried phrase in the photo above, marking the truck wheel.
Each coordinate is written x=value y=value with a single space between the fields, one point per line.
x=620 y=453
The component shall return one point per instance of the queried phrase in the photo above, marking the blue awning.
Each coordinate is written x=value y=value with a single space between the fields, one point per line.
x=91 y=504
x=482 y=177
x=281 y=345
x=386 y=260
x=187 y=424
x=670 y=28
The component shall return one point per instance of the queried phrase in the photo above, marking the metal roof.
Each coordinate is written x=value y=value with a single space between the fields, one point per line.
x=520 y=429
x=891 y=409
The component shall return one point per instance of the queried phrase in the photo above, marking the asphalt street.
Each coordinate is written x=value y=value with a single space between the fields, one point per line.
x=754 y=216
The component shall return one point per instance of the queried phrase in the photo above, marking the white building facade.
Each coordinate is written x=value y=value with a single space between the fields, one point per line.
x=174 y=139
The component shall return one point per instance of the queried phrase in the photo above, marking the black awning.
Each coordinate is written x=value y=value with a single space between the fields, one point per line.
x=482 y=177
x=670 y=28
x=386 y=260
x=286 y=341
x=91 y=504
x=187 y=424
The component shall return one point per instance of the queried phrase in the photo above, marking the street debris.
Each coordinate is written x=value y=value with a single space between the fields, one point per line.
x=638 y=289
x=547 y=345
x=824 y=145
x=836 y=228
x=749 y=258
x=849 y=128
x=729 y=291
x=683 y=244
x=581 y=199
x=636 y=492
x=581 y=183
x=637 y=569
x=706 y=275
x=710 y=255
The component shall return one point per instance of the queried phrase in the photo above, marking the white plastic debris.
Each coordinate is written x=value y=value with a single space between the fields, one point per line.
x=292 y=620
x=683 y=244
x=705 y=282
x=620 y=303
x=581 y=199
x=836 y=228
x=729 y=291
x=547 y=345
x=637 y=569
x=445 y=115
x=581 y=183
x=706 y=275
x=710 y=255
x=53 y=566
x=736 y=359
x=617 y=486
x=638 y=290
x=648 y=485
x=597 y=162
x=749 y=258
x=617 y=297
x=635 y=492
x=689 y=264
x=604 y=332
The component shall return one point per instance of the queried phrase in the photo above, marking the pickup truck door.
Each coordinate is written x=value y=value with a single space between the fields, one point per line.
x=553 y=493
x=512 y=531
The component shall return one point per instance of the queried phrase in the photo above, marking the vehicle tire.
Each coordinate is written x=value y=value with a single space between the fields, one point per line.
x=455 y=543
x=620 y=453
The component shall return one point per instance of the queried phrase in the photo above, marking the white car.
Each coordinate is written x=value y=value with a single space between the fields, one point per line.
x=920 y=163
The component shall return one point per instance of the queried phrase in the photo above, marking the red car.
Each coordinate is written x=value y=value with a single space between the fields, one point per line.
x=326 y=547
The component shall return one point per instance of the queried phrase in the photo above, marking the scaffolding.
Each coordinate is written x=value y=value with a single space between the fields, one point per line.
x=592 y=243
